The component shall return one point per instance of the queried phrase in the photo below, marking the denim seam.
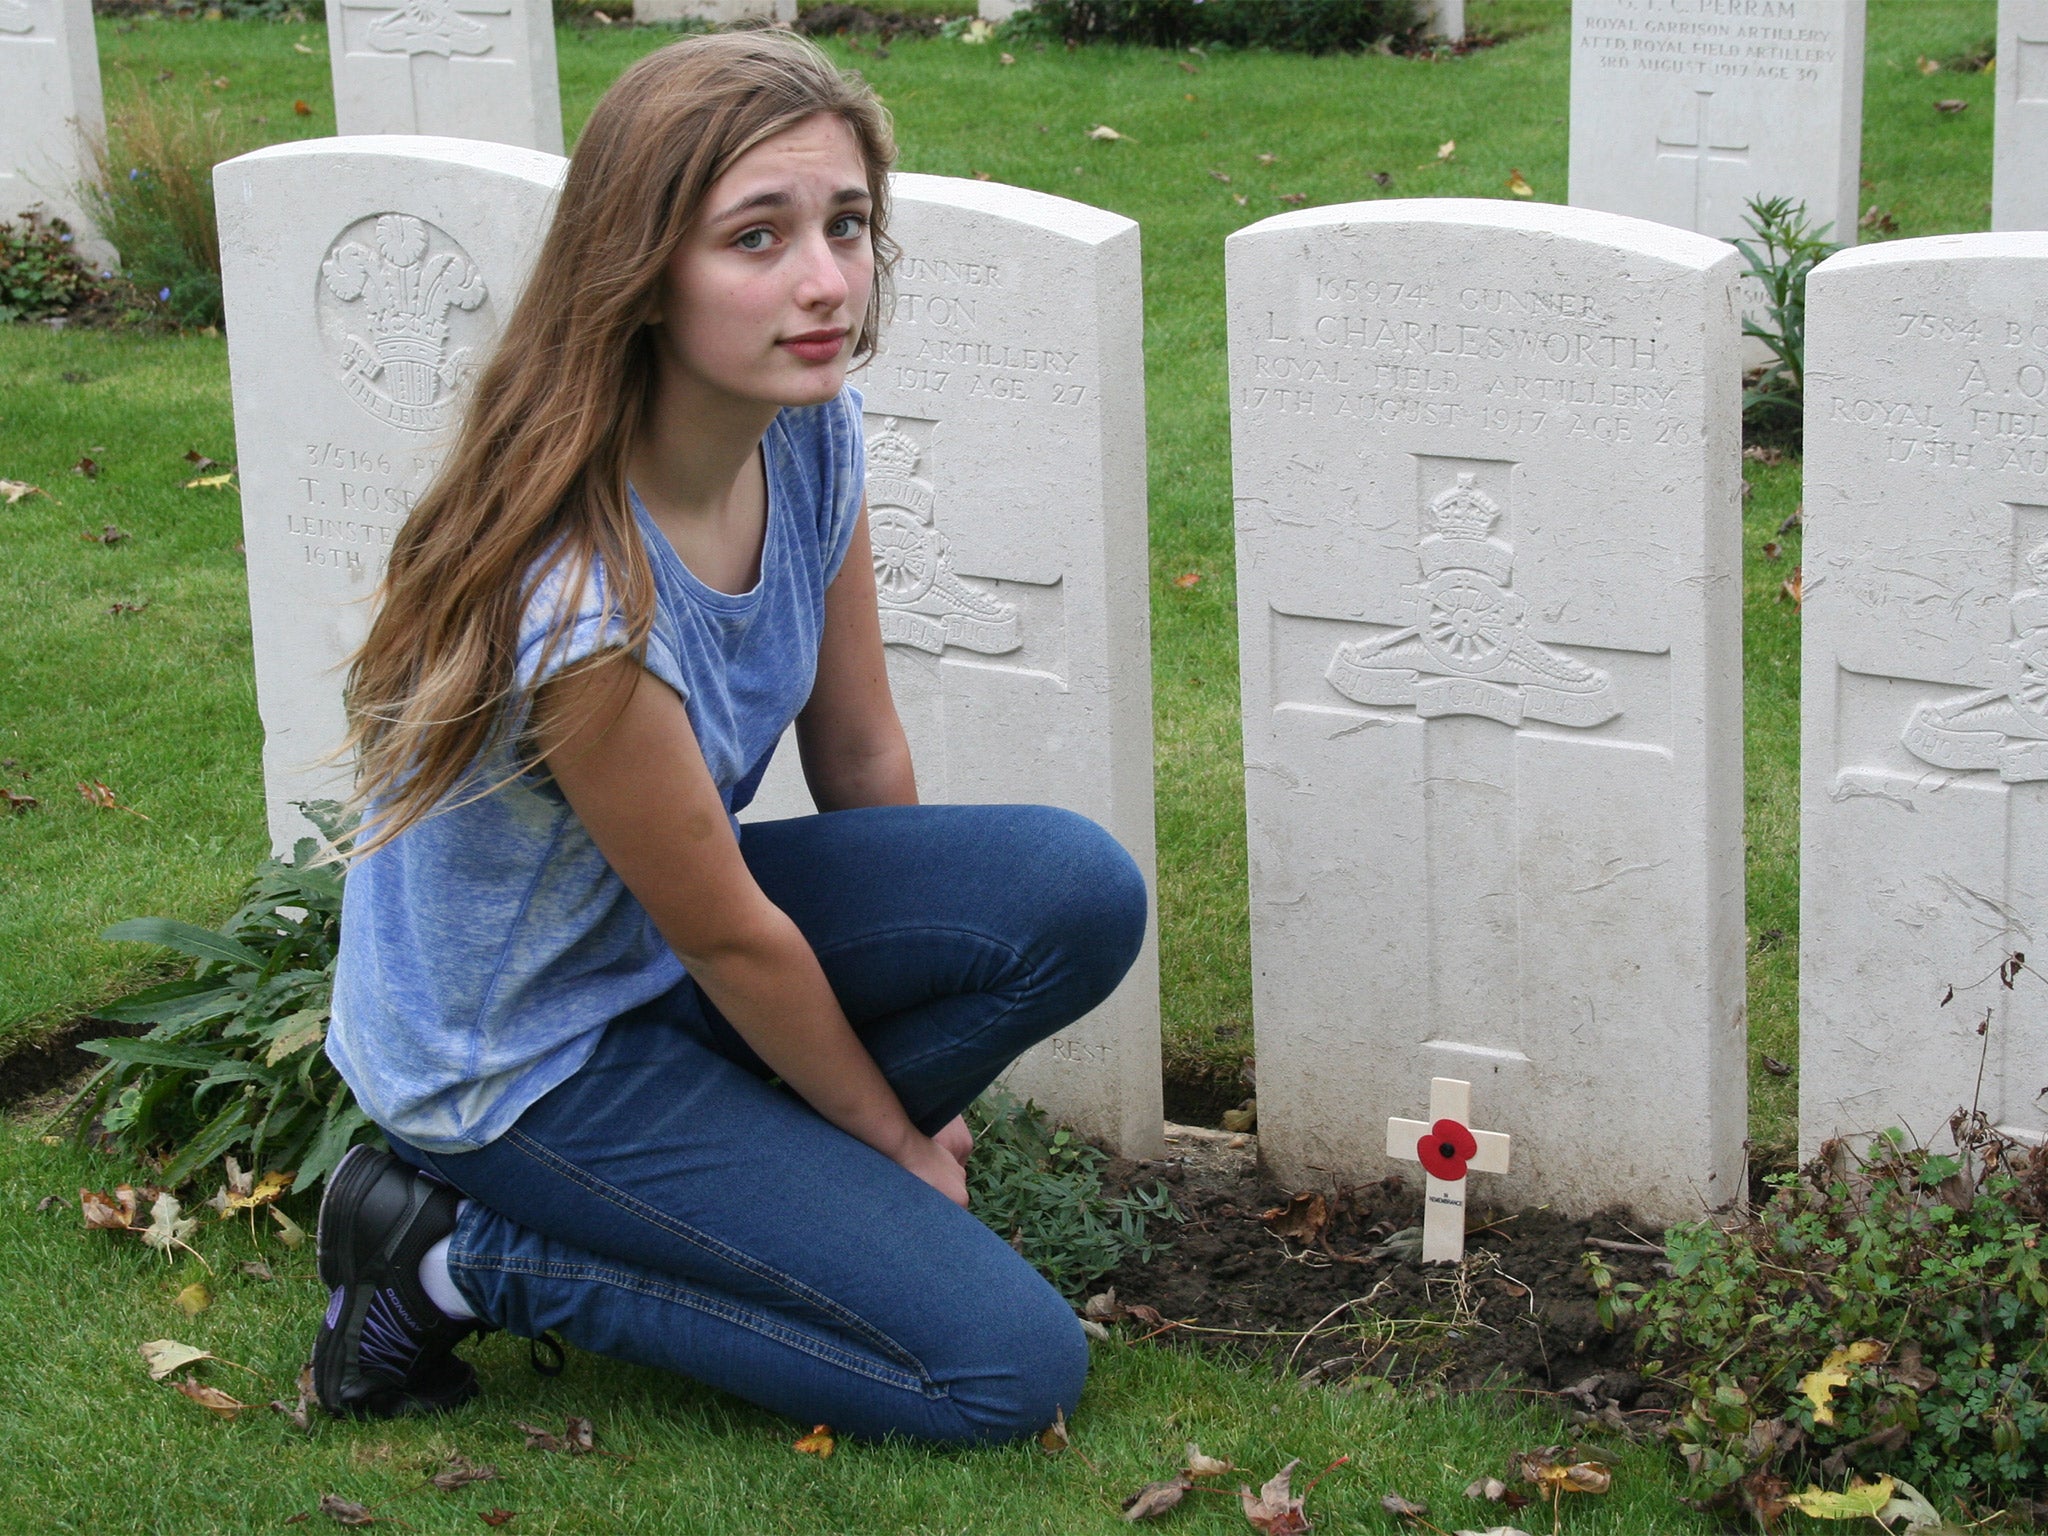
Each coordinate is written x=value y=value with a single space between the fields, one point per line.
x=734 y=1256
x=677 y=1294
x=1033 y=968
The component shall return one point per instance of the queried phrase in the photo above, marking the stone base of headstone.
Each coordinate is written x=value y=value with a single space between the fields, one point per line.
x=719 y=13
x=1446 y=19
x=999 y=10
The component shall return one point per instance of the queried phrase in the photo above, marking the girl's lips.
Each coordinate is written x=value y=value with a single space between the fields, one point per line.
x=815 y=346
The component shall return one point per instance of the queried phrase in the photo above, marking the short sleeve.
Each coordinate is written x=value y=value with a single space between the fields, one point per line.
x=845 y=478
x=589 y=628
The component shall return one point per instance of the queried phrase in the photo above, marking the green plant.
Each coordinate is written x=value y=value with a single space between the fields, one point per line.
x=232 y=1061
x=1786 y=247
x=1290 y=26
x=151 y=193
x=39 y=275
x=1042 y=1189
x=1882 y=1313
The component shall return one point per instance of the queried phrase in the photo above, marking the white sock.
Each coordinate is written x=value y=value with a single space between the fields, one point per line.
x=440 y=1285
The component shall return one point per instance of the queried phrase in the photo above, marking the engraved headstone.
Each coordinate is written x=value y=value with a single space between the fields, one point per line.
x=365 y=280
x=1682 y=111
x=466 y=69
x=49 y=111
x=1924 y=686
x=2019 y=166
x=1006 y=506
x=716 y=12
x=1444 y=19
x=1487 y=484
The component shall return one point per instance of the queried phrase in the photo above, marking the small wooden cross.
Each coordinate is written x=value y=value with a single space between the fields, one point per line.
x=1446 y=1142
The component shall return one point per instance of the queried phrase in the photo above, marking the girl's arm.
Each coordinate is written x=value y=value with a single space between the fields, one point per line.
x=619 y=744
x=854 y=751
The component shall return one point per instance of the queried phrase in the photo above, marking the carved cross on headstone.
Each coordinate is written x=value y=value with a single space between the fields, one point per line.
x=1701 y=149
x=1447 y=1147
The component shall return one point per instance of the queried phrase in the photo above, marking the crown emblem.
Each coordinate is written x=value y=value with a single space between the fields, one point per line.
x=1464 y=512
x=891 y=453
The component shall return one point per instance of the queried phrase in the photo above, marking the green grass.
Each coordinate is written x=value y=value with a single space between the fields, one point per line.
x=173 y=721
x=95 y=1447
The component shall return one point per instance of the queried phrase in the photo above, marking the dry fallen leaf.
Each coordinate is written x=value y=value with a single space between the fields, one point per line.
x=163 y=1356
x=168 y=1226
x=220 y=482
x=1187 y=579
x=289 y=1232
x=1006 y=58
x=87 y=467
x=1267 y=159
x=1239 y=198
x=212 y=1399
x=1519 y=185
x=108 y=534
x=459 y=1472
x=1206 y=1466
x=342 y=1512
x=1155 y=1499
x=302 y=109
x=578 y=1436
x=1794 y=586
x=1104 y=132
x=495 y=1518
x=1404 y=1509
x=297 y=1411
x=1858 y=1501
x=1190 y=68
x=1773 y=549
x=983 y=176
x=1300 y=1220
x=194 y=1299
x=1491 y=1489
x=300 y=48
x=1817 y=1386
x=1448 y=148
x=117 y=1210
x=1928 y=66
x=1951 y=106
x=1294 y=199
x=1274 y=1511
x=820 y=1442
x=19 y=802
x=1222 y=176
x=14 y=490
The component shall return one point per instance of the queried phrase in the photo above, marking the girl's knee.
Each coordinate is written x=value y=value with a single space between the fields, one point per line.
x=1032 y=1374
x=1093 y=887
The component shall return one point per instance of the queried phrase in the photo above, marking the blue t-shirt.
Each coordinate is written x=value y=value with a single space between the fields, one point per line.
x=484 y=949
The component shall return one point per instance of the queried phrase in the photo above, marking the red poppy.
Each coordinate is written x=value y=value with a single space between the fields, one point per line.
x=1446 y=1150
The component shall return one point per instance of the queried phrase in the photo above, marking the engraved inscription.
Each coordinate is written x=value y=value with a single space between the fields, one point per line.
x=1080 y=1053
x=1465 y=649
x=1709 y=39
x=2002 y=728
x=396 y=296
x=923 y=603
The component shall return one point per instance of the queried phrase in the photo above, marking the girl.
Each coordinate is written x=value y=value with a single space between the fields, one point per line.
x=687 y=1092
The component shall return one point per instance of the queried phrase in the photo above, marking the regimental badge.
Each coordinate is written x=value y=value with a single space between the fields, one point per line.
x=395 y=351
x=2003 y=727
x=923 y=604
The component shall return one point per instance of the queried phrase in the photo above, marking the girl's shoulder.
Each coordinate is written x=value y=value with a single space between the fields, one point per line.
x=823 y=468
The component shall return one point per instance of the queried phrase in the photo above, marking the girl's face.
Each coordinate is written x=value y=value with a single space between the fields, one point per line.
x=762 y=299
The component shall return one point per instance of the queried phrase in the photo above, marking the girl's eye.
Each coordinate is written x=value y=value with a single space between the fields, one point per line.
x=848 y=225
x=753 y=239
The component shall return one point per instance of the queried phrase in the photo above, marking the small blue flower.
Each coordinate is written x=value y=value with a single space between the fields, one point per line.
x=163 y=295
x=135 y=174
x=65 y=239
x=104 y=273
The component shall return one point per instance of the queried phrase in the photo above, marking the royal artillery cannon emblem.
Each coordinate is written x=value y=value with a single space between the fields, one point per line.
x=1465 y=649
x=923 y=604
x=2003 y=727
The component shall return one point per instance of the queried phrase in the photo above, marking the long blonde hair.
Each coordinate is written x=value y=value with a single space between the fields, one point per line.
x=536 y=479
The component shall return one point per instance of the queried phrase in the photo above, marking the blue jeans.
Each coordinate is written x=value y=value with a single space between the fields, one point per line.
x=671 y=1205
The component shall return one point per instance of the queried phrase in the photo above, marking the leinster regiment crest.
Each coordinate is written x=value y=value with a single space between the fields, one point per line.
x=923 y=604
x=1465 y=650
x=403 y=293
x=2005 y=727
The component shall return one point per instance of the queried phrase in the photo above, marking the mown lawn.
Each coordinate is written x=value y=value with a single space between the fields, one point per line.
x=157 y=704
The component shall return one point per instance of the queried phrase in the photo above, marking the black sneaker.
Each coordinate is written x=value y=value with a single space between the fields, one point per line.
x=385 y=1350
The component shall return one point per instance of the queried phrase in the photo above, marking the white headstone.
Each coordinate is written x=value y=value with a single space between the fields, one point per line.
x=1924 y=685
x=1444 y=18
x=1006 y=503
x=1681 y=111
x=466 y=69
x=717 y=12
x=365 y=279
x=1486 y=463
x=49 y=109
x=2019 y=166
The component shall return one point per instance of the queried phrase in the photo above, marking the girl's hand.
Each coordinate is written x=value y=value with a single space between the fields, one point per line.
x=931 y=1162
x=956 y=1139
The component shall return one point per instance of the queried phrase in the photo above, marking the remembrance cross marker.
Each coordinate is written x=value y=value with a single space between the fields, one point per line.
x=1447 y=1147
